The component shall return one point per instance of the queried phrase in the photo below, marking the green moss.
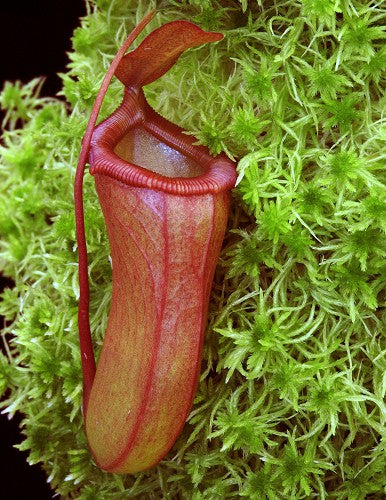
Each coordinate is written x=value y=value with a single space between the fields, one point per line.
x=290 y=401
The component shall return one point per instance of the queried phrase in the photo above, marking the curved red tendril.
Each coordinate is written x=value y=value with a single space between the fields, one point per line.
x=87 y=353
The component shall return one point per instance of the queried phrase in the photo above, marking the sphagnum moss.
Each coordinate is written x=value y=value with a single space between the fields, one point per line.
x=290 y=403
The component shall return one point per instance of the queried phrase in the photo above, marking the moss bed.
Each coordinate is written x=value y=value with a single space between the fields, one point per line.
x=290 y=401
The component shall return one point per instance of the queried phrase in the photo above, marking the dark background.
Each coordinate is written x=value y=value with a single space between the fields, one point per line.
x=34 y=39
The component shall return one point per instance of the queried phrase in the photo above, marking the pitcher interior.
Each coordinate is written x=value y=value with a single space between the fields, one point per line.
x=145 y=150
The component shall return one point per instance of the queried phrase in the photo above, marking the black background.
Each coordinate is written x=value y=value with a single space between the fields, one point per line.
x=34 y=38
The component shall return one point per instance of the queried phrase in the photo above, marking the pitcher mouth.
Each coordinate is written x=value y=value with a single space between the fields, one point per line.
x=181 y=167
